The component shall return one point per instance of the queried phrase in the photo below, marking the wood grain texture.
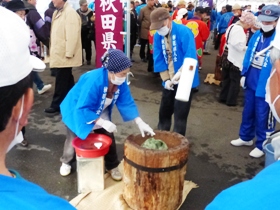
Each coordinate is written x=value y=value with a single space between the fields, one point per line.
x=155 y=191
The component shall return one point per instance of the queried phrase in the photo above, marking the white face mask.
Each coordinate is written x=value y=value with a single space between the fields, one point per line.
x=267 y=28
x=163 y=31
x=18 y=138
x=118 y=80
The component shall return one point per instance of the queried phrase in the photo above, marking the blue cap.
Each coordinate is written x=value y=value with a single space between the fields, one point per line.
x=269 y=13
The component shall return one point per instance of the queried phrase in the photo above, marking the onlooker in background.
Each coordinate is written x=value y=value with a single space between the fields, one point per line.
x=65 y=50
x=133 y=28
x=248 y=8
x=257 y=119
x=16 y=99
x=200 y=31
x=218 y=18
x=48 y=21
x=142 y=5
x=223 y=24
x=87 y=29
x=259 y=10
x=4 y=3
x=165 y=6
x=170 y=5
x=236 y=40
x=181 y=4
x=190 y=9
x=48 y=16
x=39 y=32
x=92 y=5
x=157 y=4
x=136 y=4
x=172 y=44
x=144 y=21
x=182 y=16
x=237 y=12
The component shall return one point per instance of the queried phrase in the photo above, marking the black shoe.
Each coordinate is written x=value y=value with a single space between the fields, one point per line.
x=52 y=111
x=132 y=61
x=24 y=143
x=88 y=62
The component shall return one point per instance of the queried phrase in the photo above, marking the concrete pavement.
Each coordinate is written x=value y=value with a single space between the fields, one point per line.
x=213 y=163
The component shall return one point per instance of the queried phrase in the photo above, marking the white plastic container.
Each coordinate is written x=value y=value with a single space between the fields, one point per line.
x=186 y=80
x=90 y=174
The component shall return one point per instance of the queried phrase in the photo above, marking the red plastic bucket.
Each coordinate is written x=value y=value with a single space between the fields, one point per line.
x=87 y=149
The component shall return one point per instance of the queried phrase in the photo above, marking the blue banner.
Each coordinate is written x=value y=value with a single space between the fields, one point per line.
x=205 y=3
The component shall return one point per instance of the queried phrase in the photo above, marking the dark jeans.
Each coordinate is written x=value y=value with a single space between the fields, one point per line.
x=230 y=83
x=111 y=158
x=151 y=63
x=37 y=80
x=64 y=81
x=169 y=106
x=218 y=41
x=86 y=44
x=144 y=43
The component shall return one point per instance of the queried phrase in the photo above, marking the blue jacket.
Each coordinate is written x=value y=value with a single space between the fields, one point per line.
x=85 y=101
x=92 y=6
x=223 y=22
x=138 y=8
x=17 y=193
x=213 y=20
x=190 y=15
x=184 y=43
x=261 y=192
x=267 y=66
x=218 y=18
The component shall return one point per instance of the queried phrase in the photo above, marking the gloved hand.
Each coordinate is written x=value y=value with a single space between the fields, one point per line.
x=144 y=127
x=168 y=85
x=176 y=78
x=275 y=142
x=107 y=125
x=242 y=82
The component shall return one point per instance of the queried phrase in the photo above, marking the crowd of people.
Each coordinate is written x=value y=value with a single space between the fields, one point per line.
x=167 y=35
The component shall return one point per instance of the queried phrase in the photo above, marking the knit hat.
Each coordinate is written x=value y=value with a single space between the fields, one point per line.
x=248 y=18
x=115 y=61
x=236 y=7
x=158 y=16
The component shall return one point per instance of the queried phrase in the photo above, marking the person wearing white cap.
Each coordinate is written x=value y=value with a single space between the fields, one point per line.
x=261 y=192
x=237 y=12
x=257 y=119
x=182 y=16
x=16 y=99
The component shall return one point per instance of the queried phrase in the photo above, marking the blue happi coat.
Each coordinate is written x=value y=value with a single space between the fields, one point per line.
x=266 y=68
x=223 y=22
x=85 y=101
x=183 y=46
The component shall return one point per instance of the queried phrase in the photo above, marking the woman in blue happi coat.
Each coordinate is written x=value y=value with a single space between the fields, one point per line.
x=88 y=107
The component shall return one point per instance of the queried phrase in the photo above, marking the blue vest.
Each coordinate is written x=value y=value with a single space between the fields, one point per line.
x=85 y=101
x=266 y=67
x=183 y=46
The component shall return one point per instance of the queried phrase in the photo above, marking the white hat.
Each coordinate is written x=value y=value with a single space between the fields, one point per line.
x=181 y=13
x=15 y=60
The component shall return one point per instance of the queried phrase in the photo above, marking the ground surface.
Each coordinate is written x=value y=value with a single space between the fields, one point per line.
x=213 y=163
